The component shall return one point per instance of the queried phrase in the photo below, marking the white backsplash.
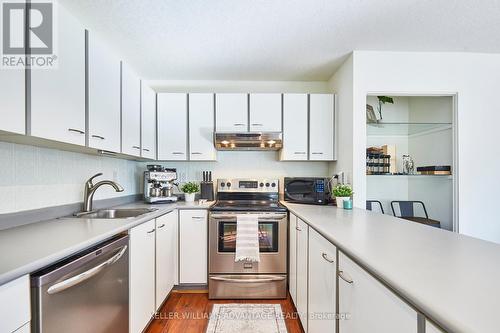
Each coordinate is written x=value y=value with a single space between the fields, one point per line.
x=33 y=177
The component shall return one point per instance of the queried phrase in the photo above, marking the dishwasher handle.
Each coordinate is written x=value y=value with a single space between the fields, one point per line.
x=77 y=279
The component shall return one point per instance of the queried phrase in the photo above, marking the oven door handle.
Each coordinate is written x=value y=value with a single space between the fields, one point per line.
x=261 y=217
x=270 y=279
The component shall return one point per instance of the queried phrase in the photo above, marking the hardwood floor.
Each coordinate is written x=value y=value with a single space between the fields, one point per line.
x=188 y=312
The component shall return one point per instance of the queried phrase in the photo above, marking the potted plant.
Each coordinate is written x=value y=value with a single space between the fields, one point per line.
x=190 y=189
x=341 y=193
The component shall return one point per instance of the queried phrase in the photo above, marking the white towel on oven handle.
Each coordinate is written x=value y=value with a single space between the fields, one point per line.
x=247 y=238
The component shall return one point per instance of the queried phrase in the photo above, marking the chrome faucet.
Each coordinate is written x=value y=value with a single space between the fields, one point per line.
x=90 y=188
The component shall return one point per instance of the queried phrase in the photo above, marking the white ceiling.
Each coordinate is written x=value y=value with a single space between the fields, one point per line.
x=281 y=39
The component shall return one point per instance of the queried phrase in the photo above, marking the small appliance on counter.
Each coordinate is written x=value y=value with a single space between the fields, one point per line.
x=158 y=184
x=207 y=186
x=307 y=190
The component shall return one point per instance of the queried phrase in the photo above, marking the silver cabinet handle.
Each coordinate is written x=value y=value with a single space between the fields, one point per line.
x=325 y=256
x=346 y=279
x=177 y=153
x=196 y=153
x=77 y=279
x=198 y=217
x=76 y=130
x=145 y=149
x=270 y=279
x=257 y=124
x=239 y=124
x=151 y=231
x=317 y=153
x=98 y=137
x=298 y=229
x=136 y=147
x=300 y=153
x=161 y=226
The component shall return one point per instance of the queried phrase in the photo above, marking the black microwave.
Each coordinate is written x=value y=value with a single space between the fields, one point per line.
x=307 y=190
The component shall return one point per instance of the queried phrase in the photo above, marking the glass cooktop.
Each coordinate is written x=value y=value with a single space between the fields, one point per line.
x=248 y=205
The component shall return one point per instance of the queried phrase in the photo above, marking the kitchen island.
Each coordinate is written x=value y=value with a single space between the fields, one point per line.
x=449 y=278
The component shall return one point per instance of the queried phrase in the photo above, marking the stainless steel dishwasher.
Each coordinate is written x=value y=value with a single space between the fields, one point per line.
x=87 y=292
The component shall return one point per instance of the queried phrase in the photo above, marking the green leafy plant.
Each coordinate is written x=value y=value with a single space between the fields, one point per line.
x=190 y=188
x=383 y=100
x=342 y=191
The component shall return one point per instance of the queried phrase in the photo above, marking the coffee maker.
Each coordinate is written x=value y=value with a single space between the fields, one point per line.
x=158 y=184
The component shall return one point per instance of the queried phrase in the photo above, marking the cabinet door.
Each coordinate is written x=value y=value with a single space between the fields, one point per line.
x=430 y=328
x=58 y=94
x=131 y=112
x=201 y=127
x=12 y=103
x=166 y=255
x=295 y=130
x=148 y=122
x=265 y=112
x=15 y=304
x=322 y=284
x=193 y=236
x=292 y=268
x=142 y=275
x=302 y=247
x=172 y=126
x=104 y=96
x=321 y=127
x=231 y=112
x=368 y=303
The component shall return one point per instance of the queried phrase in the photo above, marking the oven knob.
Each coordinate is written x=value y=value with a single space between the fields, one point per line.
x=228 y=184
x=273 y=185
x=261 y=184
x=267 y=184
x=222 y=184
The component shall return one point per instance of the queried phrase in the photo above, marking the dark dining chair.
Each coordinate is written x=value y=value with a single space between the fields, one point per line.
x=370 y=204
x=407 y=212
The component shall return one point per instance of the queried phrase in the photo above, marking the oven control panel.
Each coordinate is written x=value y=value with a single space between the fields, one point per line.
x=248 y=185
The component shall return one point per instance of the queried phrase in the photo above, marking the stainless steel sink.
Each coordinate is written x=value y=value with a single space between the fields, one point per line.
x=123 y=213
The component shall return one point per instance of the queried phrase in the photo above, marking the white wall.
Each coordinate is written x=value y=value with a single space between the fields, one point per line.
x=33 y=177
x=246 y=164
x=342 y=84
x=475 y=80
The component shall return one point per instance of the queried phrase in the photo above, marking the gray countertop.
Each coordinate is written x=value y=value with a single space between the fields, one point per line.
x=452 y=278
x=28 y=248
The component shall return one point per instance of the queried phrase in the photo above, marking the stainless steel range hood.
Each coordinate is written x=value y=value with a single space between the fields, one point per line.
x=248 y=141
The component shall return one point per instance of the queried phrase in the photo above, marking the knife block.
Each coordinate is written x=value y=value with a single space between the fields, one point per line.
x=207 y=191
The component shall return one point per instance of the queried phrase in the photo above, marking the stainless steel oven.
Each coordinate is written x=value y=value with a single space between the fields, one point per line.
x=264 y=279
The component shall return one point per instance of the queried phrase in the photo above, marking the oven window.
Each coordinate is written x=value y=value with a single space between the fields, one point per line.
x=268 y=236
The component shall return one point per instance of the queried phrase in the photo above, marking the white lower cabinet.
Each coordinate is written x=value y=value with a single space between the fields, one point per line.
x=15 y=305
x=166 y=255
x=292 y=265
x=193 y=235
x=322 y=284
x=25 y=329
x=142 y=276
x=369 y=305
x=302 y=258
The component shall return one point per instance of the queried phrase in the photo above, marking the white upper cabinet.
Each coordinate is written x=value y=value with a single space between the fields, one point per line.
x=131 y=112
x=265 y=112
x=231 y=112
x=295 y=129
x=12 y=103
x=372 y=307
x=172 y=126
x=321 y=127
x=103 y=96
x=201 y=127
x=58 y=94
x=322 y=283
x=148 y=122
